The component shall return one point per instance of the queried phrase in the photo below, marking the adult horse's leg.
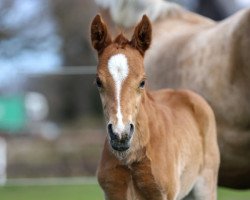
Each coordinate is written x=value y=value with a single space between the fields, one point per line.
x=235 y=143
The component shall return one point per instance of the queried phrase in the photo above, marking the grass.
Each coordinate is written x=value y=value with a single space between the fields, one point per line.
x=227 y=194
x=83 y=192
x=52 y=192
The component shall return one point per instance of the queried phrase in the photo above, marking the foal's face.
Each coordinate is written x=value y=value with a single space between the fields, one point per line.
x=120 y=79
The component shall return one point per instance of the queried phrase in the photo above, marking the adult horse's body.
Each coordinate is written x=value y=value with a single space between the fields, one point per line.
x=160 y=145
x=191 y=51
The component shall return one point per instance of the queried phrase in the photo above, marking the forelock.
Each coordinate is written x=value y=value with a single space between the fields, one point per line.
x=121 y=41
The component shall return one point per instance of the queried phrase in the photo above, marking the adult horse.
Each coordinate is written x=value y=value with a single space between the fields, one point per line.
x=161 y=144
x=211 y=58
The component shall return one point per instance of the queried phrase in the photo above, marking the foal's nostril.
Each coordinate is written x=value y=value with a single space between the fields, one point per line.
x=110 y=128
x=131 y=128
x=111 y=132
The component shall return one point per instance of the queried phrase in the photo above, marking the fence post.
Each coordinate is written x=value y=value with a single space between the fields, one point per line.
x=3 y=161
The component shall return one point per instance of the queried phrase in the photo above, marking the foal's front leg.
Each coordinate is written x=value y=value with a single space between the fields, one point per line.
x=114 y=182
x=113 y=177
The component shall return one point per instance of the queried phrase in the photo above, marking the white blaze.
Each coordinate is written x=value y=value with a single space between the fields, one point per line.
x=118 y=68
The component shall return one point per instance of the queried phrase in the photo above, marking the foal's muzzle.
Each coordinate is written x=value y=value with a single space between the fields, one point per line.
x=120 y=141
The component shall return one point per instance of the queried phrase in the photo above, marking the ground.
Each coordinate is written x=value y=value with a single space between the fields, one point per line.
x=83 y=192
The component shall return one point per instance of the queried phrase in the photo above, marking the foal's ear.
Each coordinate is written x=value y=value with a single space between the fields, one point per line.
x=100 y=37
x=141 y=38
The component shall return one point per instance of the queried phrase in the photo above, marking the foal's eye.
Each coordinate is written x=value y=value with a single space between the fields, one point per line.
x=98 y=82
x=142 y=84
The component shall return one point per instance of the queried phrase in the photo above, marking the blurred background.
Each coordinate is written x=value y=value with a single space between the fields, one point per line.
x=50 y=115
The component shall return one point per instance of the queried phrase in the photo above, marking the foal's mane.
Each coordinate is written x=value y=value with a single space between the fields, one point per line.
x=121 y=41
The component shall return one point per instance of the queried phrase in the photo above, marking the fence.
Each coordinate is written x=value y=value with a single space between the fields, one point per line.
x=66 y=140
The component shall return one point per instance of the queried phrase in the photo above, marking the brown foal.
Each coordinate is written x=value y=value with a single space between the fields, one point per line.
x=160 y=144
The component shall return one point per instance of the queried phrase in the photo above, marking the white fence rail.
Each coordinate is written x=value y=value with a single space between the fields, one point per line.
x=69 y=70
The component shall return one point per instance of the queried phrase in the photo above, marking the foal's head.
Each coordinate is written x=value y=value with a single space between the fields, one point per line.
x=120 y=78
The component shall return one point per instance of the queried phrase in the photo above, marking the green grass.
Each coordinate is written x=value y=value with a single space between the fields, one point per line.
x=226 y=194
x=84 y=192
x=54 y=192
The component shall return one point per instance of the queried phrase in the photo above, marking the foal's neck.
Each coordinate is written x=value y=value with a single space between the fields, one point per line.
x=145 y=118
x=145 y=126
x=148 y=105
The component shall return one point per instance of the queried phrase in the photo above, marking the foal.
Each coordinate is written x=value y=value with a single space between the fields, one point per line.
x=161 y=144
